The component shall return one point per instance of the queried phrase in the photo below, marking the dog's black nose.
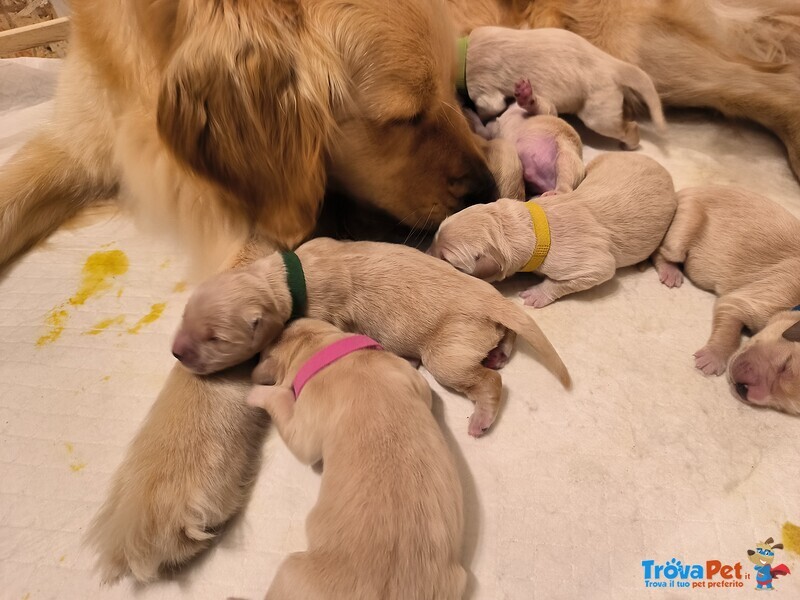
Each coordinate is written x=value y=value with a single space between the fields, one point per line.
x=741 y=389
x=481 y=187
x=477 y=187
x=178 y=356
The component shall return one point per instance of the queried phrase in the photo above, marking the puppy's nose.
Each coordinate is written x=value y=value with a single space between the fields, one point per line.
x=479 y=186
x=181 y=347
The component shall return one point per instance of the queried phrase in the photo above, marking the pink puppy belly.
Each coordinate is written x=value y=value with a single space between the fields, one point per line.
x=538 y=155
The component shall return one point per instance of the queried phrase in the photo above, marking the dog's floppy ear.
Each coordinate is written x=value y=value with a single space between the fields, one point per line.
x=485 y=267
x=246 y=100
x=777 y=546
x=793 y=333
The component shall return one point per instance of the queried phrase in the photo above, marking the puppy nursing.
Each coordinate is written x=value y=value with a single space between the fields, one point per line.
x=461 y=328
x=566 y=71
x=388 y=522
x=549 y=149
x=746 y=249
x=617 y=217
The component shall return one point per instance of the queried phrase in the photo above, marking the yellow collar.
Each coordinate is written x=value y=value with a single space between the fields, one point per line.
x=541 y=229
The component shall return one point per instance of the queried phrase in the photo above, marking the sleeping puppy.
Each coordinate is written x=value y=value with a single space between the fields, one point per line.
x=617 y=217
x=752 y=264
x=766 y=370
x=389 y=519
x=570 y=73
x=414 y=305
x=548 y=147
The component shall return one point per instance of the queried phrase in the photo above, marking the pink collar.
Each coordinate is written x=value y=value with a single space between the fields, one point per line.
x=330 y=354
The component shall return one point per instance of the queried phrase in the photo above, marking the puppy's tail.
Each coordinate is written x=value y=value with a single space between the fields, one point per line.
x=632 y=77
x=512 y=316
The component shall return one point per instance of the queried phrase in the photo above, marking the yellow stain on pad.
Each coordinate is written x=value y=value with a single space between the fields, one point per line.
x=27 y=596
x=106 y=378
x=62 y=558
x=156 y=310
x=97 y=275
x=56 y=320
x=98 y=271
x=164 y=264
x=790 y=536
x=179 y=287
x=100 y=327
x=76 y=466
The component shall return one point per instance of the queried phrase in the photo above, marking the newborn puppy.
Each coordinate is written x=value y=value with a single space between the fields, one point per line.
x=414 y=305
x=617 y=217
x=389 y=519
x=565 y=70
x=766 y=370
x=549 y=148
x=746 y=249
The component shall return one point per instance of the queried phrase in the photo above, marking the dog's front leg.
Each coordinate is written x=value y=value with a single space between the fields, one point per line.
x=188 y=471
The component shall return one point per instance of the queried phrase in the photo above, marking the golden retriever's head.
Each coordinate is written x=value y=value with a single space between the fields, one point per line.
x=404 y=145
x=268 y=98
x=766 y=370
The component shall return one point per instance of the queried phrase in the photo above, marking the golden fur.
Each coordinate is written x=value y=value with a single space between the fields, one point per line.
x=449 y=320
x=616 y=218
x=746 y=249
x=389 y=519
x=388 y=60
x=218 y=119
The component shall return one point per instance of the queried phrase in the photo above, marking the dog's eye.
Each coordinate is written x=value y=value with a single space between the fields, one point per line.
x=212 y=338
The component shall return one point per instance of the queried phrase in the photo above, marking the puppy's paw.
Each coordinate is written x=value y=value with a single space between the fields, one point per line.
x=709 y=362
x=535 y=297
x=479 y=422
x=670 y=274
x=496 y=359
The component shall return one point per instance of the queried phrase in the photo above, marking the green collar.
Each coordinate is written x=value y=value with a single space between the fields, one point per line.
x=296 y=280
x=461 y=69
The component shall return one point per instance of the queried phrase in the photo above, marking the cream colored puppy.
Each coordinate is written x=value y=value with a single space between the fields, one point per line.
x=417 y=307
x=617 y=217
x=564 y=69
x=389 y=519
x=746 y=249
x=549 y=149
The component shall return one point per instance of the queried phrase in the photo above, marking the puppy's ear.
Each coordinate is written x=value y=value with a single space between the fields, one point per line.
x=266 y=329
x=246 y=101
x=485 y=267
x=793 y=333
x=751 y=552
x=778 y=546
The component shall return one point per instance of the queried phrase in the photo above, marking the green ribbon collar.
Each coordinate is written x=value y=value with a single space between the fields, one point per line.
x=296 y=280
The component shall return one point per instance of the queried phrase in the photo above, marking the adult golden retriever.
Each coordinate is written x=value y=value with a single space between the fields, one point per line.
x=229 y=118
